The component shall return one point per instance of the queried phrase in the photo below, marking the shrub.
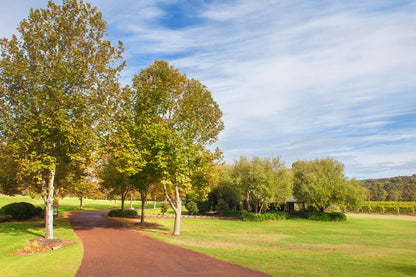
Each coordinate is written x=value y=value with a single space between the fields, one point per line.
x=337 y=216
x=275 y=215
x=164 y=208
x=21 y=210
x=192 y=207
x=322 y=216
x=122 y=213
x=4 y=217
x=203 y=206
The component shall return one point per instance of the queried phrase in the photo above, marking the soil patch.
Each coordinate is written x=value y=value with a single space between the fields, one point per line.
x=38 y=245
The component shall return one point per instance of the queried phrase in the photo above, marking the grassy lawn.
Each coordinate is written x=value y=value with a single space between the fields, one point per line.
x=297 y=247
x=361 y=246
x=60 y=262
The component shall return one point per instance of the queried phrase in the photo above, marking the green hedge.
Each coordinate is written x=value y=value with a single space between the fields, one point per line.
x=322 y=216
x=4 y=217
x=122 y=213
x=21 y=210
x=278 y=215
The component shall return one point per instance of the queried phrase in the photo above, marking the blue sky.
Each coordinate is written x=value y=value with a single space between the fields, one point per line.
x=299 y=79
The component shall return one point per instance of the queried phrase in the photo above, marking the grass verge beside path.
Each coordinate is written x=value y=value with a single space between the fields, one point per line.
x=298 y=247
x=60 y=262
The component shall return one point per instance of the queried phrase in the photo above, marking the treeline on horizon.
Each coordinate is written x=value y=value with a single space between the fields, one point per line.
x=399 y=188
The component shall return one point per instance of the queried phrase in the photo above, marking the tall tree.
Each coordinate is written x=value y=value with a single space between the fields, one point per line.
x=188 y=120
x=263 y=180
x=321 y=183
x=58 y=80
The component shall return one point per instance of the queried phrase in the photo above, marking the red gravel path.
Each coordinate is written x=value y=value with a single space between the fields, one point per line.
x=111 y=249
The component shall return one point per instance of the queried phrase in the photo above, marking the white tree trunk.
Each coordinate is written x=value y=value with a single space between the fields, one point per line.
x=48 y=200
x=177 y=208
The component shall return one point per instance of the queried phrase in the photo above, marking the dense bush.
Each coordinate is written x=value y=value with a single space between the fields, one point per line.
x=275 y=215
x=203 y=207
x=4 y=217
x=164 y=208
x=322 y=216
x=192 y=207
x=337 y=216
x=122 y=213
x=21 y=210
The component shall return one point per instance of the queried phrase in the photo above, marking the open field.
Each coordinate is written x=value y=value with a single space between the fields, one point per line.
x=297 y=247
x=364 y=245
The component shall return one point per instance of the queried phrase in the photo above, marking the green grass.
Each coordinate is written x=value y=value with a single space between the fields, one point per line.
x=60 y=262
x=298 y=247
x=72 y=204
x=360 y=246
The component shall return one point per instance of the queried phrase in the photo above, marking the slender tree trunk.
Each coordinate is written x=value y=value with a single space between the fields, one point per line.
x=248 y=202
x=177 y=208
x=115 y=201
x=154 y=204
x=48 y=200
x=123 y=197
x=131 y=201
x=144 y=202
x=80 y=203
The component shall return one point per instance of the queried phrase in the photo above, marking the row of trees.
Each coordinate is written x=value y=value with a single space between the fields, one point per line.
x=264 y=183
x=65 y=115
x=391 y=189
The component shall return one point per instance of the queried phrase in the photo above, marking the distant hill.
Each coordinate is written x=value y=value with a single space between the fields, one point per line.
x=400 y=188
x=395 y=180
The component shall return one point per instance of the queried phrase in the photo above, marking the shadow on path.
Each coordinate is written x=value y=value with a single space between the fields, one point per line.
x=111 y=249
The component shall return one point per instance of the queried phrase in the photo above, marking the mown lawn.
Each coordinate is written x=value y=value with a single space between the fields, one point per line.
x=60 y=262
x=361 y=246
x=297 y=247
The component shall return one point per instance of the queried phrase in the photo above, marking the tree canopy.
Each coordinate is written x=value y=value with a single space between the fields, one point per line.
x=58 y=83
x=321 y=183
x=186 y=121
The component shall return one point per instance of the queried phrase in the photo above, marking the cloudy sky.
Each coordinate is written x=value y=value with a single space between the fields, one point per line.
x=299 y=79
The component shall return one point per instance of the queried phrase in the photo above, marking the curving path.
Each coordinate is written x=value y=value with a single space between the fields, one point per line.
x=111 y=249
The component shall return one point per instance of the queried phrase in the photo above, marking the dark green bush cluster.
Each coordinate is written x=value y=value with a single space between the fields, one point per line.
x=275 y=215
x=21 y=210
x=323 y=216
x=192 y=207
x=4 y=217
x=122 y=213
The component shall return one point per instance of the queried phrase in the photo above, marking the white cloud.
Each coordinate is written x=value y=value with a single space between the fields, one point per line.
x=296 y=78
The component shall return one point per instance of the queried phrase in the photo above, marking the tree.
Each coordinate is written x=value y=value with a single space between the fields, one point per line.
x=58 y=83
x=263 y=180
x=187 y=121
x=321 y=183
x=115 y=181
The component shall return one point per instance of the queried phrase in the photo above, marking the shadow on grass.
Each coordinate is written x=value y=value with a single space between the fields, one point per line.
x=35 y=228
x=149 y=226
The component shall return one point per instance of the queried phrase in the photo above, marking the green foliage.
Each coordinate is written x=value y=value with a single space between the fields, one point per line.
x=4 y=217
x=312 y=214
x=228 y=193
x=261 y=180
x=277 y=215
x=21 y=210
x=321 y=183
x=203 y=207
x=182 y=119
x=59 y=85
x=388 y=207
x=192 y=207
x=122 y=213
x=401 y=188
x=164 y=208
